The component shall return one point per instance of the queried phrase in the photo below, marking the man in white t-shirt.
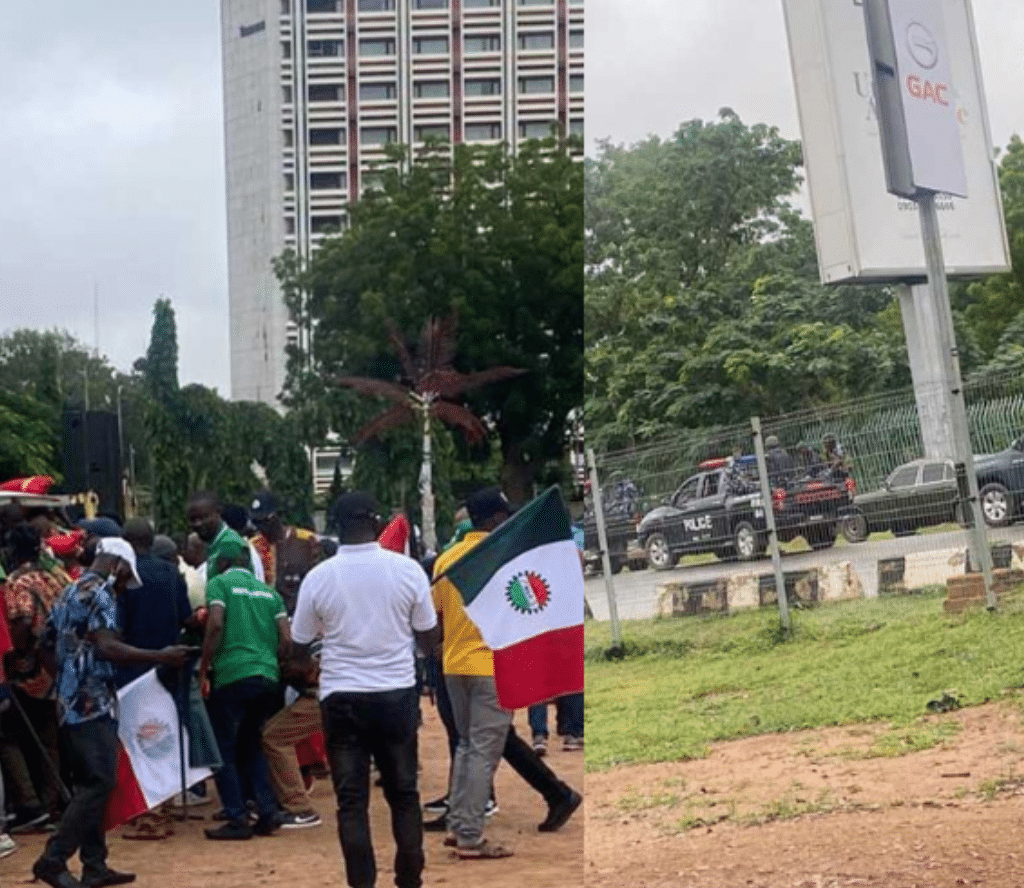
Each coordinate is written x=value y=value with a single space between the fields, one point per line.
x=370 y=607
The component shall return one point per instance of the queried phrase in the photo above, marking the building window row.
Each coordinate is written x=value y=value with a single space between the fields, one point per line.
x=371 y=92
x=537 y=40
x=429 y=45
x=482 y=43
x=326 y=92
x=531 y=85
x=324 y=48
x=431 y=89
x=473 y=43
x=334 y=6
x=482 y=86
x=482 y=132
x=379 y=46
x=332 y=135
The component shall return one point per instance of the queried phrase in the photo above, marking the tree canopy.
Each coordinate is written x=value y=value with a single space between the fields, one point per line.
x=198 y=441
x=703 y=302
x=496 y=238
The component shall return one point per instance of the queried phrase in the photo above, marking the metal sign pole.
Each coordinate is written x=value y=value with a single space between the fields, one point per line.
x=602 y=538
x=938 y=308
x=769 y=518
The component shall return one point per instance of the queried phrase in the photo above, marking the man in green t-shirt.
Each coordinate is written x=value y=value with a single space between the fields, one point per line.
x=205 y=521
x=246 y=638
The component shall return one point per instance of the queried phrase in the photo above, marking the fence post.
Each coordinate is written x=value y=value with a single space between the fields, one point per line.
x=602 y=539
x=769 y=518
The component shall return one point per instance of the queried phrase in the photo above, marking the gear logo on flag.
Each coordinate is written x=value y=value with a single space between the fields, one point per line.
x=528 y=592
x=155 y=738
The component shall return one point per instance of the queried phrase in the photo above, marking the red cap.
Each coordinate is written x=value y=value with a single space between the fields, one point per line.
x=63 y=545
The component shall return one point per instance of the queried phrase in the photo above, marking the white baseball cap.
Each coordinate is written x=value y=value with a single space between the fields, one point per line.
x=122 y=549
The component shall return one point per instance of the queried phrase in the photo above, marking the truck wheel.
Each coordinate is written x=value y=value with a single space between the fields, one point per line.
x=616 y=563
x=637 y=564
x=854 y=527
x=822 y=537
x=995 y=505
x=659 y=555
x=746 y=541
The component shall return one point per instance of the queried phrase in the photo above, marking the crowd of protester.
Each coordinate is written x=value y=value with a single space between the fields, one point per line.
x=312 y=656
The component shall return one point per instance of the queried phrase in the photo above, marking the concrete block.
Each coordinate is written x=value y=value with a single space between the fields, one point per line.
x=839 y=582
x=743 y=592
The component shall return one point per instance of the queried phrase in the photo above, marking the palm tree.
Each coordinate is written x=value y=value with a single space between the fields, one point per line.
x=429 y=388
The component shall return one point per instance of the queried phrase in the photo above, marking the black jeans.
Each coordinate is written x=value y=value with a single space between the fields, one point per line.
x=91 y=748
x=530 y=766
x=238 y=712
x=381 y=725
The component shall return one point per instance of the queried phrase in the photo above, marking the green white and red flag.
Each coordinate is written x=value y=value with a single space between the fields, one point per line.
x=523 y=587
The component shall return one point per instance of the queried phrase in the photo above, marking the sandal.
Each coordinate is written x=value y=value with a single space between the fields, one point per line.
x=484 y=851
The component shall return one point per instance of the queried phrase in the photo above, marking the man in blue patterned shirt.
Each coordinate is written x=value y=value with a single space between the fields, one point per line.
x=83 y=639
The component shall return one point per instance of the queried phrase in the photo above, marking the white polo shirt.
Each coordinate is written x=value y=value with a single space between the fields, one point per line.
x=365 y=602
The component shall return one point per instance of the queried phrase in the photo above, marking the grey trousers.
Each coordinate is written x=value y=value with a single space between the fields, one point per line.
x=482 y=726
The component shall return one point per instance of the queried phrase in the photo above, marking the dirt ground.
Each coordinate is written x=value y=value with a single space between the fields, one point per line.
x=311 y=858
x=808 y=810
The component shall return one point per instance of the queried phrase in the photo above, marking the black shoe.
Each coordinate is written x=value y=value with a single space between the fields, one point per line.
x=106 y=877
x=559 y=814
x=28 y=820
x=265 y=826
x=233 y=830
x=438 y=806
x=439 y=825
x=54 y=874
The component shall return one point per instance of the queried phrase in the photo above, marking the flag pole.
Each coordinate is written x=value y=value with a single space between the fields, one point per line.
x=64 y=792
x=184 y=677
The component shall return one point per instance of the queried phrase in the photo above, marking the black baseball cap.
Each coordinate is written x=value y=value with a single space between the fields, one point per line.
x=355 y=505
x=101 y=527
x=487 y=502
x=263 y=505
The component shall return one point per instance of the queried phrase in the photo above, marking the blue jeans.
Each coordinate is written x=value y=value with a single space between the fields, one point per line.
x=238 y=712
x=382 y=725
x=91 y=748
x=569 y=713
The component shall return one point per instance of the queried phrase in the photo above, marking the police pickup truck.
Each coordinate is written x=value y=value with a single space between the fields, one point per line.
x=720 y=510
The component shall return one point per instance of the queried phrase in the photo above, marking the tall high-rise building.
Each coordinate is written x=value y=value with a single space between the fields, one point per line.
x=315 y=89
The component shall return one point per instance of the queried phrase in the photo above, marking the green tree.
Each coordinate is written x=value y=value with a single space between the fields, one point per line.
x=58 y=373
x=496 y=238
x=993 y=308
x=27 y=439
x=199 y=441
x=702 y=303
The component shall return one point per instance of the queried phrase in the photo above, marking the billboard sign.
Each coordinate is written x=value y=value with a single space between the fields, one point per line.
x=864 y=233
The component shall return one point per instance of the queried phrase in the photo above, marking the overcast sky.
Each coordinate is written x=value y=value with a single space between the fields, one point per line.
x=652 y=64
x=113 y=161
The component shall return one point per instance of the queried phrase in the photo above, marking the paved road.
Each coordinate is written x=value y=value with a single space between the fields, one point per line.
x=637 y=595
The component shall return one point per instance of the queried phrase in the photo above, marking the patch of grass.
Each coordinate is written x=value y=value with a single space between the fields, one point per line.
x=990 y=789
x=792 y=805
x=686 y=683
x=902 y=740
x=641 y=802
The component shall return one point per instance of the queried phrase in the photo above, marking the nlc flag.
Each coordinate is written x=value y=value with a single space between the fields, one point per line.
x=523 y=587
x=149 y=758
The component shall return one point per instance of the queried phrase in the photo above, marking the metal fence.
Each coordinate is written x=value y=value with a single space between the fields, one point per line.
x=695 y=494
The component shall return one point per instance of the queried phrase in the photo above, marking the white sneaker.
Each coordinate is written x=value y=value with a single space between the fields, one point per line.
x=287 y=820
x=491 y=809
x=7 y=846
